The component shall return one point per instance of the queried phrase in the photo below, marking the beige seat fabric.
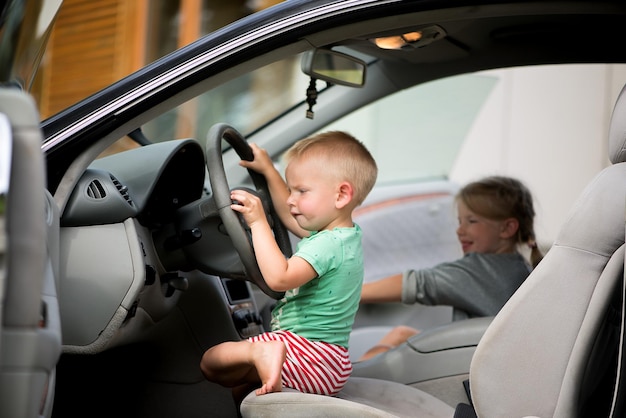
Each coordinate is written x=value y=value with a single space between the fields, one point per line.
x=545 y=352
x=360 y=398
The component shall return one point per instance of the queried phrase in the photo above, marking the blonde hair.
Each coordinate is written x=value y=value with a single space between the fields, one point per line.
x=499 y=198
x=344 y=155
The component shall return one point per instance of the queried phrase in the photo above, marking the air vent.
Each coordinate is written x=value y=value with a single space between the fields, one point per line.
x=95 y=190
x=123 y=190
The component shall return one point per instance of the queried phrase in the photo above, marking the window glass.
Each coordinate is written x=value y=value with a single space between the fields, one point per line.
x=246 y=102
x=435 y=116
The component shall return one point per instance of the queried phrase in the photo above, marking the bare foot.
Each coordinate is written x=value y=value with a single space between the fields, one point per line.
x=269 y=357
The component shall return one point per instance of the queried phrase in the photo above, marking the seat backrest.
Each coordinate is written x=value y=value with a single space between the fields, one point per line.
x=30 y=331
x=552 y=350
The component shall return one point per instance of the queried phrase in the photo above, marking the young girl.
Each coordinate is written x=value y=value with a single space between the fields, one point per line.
x=327 y=176
x=495 y=216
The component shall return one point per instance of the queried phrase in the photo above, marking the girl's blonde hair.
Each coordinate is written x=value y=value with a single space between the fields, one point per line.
x=344 y=156
x=500 y=198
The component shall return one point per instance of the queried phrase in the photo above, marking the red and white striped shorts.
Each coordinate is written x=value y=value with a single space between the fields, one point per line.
x=311 y=366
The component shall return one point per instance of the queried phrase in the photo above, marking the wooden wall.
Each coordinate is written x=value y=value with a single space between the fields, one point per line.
x=93 y=43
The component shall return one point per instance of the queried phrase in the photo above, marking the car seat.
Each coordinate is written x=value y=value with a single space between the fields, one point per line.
x=554 y=350
x=30 y=331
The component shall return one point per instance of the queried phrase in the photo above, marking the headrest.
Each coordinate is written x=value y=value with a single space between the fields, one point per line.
x=617 y=130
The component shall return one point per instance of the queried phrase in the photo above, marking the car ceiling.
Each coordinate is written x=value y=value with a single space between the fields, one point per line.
x=478 y=38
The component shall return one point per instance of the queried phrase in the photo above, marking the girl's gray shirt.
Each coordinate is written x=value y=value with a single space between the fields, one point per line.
x=475 y=285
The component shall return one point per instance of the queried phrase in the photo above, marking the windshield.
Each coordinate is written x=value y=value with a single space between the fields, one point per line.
x=437 y=116
x=247 y=102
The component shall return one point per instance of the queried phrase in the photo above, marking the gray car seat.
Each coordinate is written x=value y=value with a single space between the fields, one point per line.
x=553 y=349
x=30 y=332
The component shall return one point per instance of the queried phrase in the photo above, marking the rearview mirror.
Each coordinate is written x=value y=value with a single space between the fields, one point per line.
x=334 y=67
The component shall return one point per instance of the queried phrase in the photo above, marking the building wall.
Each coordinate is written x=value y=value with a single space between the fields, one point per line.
x=97 y=42
x=93 y=43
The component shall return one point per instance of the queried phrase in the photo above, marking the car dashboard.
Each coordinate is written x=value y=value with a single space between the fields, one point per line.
x=123 y=268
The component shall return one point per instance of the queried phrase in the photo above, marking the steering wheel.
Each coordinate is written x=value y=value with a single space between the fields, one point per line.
x=233 y=224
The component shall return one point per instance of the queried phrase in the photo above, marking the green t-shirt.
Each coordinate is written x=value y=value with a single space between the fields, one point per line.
x=324 y=308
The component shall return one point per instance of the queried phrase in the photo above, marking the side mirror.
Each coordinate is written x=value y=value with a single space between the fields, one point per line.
x=334 y=67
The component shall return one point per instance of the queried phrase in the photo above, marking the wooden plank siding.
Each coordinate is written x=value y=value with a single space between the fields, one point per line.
x=93 y=43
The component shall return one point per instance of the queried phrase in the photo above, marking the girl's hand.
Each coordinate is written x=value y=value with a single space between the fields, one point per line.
x=249 y=205
x=262 y=163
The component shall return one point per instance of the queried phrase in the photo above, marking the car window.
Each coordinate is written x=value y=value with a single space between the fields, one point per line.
x=247 y=102
x=436 y=118
x=452 y=122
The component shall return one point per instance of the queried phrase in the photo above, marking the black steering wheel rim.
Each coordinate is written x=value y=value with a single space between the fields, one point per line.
x=230 y=219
